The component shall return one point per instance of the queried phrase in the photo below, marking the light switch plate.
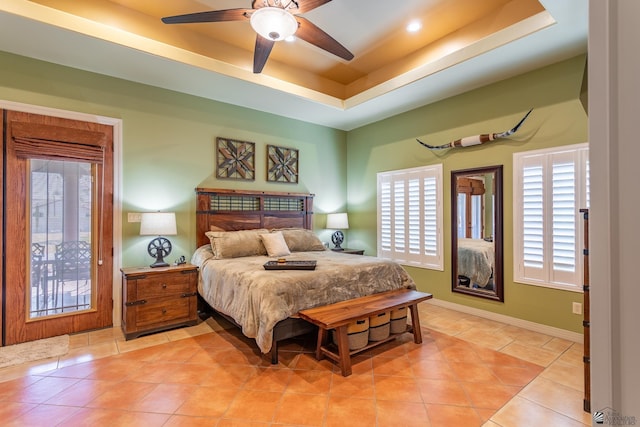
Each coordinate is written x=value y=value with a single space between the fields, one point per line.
x=134 y=216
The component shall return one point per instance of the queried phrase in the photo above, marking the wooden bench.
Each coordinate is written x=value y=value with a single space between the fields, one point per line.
x=339 y=315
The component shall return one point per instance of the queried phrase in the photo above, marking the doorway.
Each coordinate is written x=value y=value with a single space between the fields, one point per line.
x=58 y=226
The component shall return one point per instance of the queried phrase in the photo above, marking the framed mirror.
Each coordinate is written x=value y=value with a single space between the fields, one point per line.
x=476 y=232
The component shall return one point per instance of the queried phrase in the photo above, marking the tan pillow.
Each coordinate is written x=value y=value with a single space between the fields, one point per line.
x=275 y=244
x=301 y=240
x=234 y=244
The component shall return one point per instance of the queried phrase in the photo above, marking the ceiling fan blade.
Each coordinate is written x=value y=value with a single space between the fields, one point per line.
x=310 y=33
x=261 y=53
x=305 y=6
x=211 y=16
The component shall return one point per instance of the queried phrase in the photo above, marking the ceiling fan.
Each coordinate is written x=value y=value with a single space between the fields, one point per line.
x=272 y=20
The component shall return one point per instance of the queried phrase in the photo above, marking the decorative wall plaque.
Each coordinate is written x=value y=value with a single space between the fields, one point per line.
x=235 y=159
x=282 y=164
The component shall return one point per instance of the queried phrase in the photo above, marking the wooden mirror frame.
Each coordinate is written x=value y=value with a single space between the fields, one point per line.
x=498 y=278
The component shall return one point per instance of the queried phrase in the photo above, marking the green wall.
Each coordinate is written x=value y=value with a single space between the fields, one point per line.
x=169 y=149
x=169 y=145
x=558 y=119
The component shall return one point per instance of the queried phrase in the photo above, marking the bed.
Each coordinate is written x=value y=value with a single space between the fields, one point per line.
x=233 y=228
x=476 y=259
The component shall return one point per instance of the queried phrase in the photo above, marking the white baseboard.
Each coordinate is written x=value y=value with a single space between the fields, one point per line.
x=525 y=324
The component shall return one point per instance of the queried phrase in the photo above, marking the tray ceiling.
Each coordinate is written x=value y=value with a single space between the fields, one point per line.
x=462 y=44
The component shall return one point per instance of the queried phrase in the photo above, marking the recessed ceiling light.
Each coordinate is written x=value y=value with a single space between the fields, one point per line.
x=414 y=26
x=291 y=38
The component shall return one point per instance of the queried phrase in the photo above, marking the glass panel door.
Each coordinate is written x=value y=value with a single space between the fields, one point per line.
x=61 y=214
x=462 y=215
x=476 y=217
x=58 y=236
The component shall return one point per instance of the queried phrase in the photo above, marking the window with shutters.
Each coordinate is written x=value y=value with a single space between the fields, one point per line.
x=410 y=216
x=550 y=187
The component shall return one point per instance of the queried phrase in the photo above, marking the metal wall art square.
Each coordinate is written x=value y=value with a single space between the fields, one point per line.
x=235 y=159
x=282 y=164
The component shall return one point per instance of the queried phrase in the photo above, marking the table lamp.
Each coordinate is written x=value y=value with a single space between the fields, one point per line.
x=337 y=221
x=158 y=224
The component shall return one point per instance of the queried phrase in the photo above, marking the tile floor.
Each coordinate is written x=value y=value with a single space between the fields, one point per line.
x=469 y=371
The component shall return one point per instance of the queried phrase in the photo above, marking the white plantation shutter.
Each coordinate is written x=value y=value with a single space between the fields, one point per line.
x=399 y=234
x=563 y=213
x=432 y=218
x=585 y=161
x=410 y=216
x=384 y=216
x=533 y=220
x=550 y=186
x=414 y=208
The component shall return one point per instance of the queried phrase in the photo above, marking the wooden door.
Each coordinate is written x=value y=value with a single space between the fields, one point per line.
x=2 y=145
x=77 y=183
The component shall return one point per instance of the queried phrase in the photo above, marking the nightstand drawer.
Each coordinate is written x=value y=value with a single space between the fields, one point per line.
x=161 y=311
x=165 y=285
x=157 y=299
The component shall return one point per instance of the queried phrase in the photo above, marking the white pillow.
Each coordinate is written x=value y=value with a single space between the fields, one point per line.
x=275 y=244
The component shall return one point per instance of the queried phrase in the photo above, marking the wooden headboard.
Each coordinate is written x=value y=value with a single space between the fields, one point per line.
x=232 y=210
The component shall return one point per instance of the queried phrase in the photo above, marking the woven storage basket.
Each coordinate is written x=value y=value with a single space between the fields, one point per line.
x=398 y=320
x=357 y=333
x=379 y=326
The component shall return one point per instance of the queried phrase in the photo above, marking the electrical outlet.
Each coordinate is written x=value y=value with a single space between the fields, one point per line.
x=577 y=308
x=134 y=216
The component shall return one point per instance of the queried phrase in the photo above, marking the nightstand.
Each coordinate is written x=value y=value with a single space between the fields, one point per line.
x=350 y=251
x=156 y=299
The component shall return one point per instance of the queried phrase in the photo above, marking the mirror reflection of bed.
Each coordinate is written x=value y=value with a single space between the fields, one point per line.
x=477 y=231
x=476 y=259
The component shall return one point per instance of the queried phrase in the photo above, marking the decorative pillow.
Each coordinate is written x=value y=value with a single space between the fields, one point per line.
x=301 y=240
x=275 y=244
x=234 y=244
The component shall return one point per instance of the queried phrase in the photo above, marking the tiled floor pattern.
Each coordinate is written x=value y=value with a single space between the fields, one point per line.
x=469 y=371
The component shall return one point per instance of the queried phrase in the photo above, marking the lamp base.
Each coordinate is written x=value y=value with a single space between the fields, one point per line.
x=159 y=248
x=160 y=263
x=337 y=238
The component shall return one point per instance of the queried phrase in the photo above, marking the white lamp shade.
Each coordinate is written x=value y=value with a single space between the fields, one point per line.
x=338 y=221
x=273 y=23
x=158 y=224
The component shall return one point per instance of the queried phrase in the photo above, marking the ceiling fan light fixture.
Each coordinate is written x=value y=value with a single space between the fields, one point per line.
x=273 y=23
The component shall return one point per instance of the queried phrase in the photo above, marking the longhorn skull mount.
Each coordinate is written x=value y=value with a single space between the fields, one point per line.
x=477 y=139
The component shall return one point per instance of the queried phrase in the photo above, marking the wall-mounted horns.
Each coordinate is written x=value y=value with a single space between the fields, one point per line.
x=477 y=139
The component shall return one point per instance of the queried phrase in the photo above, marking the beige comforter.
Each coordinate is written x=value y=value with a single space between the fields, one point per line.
x=476 y=260
x=257 y=299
